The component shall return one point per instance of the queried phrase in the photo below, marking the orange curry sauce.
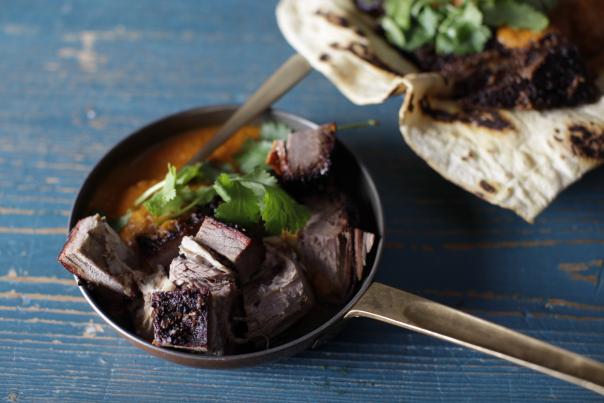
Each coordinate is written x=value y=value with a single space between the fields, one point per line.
x=129 y=180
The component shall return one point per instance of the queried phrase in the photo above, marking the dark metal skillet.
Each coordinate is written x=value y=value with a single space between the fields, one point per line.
x=376 y=301
x=372 y=300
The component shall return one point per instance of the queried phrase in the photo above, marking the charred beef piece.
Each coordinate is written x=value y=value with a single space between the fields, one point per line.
x=161 y=247
x=278 y=297
x=243 y=252
x=332 y=251
x=142 y=309
x=181 y=319
x=196 y=267
x=95 y=253
x=305 y=155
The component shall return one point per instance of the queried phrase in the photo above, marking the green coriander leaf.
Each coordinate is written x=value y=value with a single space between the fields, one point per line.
x=187 y=173
x=157 y=206
x=201 y=196
x=282 y=213
x=260 y=176
x=393 y=32
x=462 y=31
x=514 y=13
x=399 y=11
x=257 y=181
x=429 y=19
x=222 y=185
x=253 y=154
x=165 y=201
x=168 y=191
x=274 y=131
x=148 y=193
x=240 y=203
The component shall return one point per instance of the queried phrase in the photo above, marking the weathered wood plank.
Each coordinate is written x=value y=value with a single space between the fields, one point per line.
x=78 y=76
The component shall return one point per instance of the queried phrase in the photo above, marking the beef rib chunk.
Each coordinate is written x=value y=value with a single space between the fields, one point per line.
x=243 y=252
x=95 y=253
x=305 y=155
x=149 y=284
x=278 y=297
x=181 y=319
x=196 y=267
x=162 y=246
x=332 y=251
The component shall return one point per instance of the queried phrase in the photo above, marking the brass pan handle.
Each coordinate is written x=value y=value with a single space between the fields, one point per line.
x=412 y=312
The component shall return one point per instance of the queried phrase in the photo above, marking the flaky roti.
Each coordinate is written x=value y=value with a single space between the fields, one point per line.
x=516 y=159
x=519 y=160
x=341 y=43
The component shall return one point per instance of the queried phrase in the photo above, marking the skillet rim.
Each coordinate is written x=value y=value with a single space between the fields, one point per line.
x=246 y=359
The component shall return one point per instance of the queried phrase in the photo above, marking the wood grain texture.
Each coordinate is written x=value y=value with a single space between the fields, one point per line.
x=77 y=76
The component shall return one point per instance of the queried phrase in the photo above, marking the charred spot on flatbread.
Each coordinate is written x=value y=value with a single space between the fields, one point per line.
x=491 y=119
x=586 y=142
x=488 y=187
x=333 y=18
x=363 y=52
x=360 y=32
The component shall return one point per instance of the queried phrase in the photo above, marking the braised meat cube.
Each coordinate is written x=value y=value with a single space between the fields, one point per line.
x=196 y=267
x=305 y=155
x=243 y=252
x=95 y=253
x=181 y=319
x=142 y=309
x=332 y=251
x=278 y=298
x=160 y=247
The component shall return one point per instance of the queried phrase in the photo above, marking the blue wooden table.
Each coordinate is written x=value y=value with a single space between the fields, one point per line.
x=76 y=76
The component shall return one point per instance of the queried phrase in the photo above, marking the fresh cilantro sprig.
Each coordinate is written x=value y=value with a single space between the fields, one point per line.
x=461 y=29
x=175 y=196
x=246 y=199
x=255 y=195
x=185 y=175
x=253 y=152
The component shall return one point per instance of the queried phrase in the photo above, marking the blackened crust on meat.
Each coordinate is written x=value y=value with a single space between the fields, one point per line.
x=487 y=118
x=586 y=143
x=161 y=247
x=180 y=319
x=242 y=251
x=306 y=155
x=197 y=267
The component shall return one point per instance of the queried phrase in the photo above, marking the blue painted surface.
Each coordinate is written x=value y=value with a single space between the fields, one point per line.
x=76 y=76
